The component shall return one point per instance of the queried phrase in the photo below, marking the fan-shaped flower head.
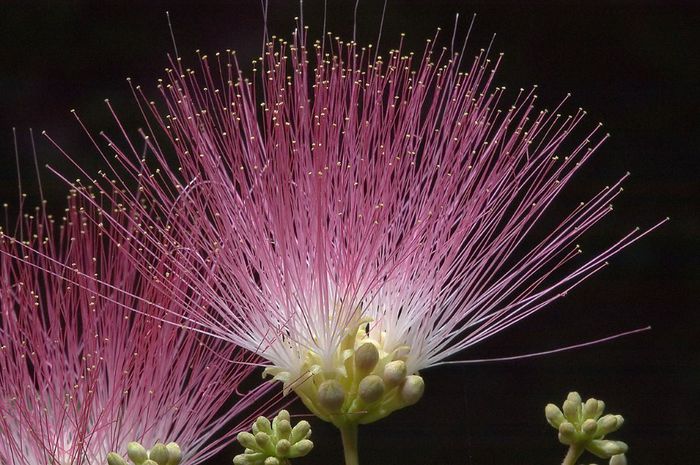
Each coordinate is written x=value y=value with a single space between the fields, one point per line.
x=83 y=376
x=355 y=218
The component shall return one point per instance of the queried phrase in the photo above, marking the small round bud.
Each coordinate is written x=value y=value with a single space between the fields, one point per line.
x=366 y=357
x=115 y=459
x=272 y=461
x=174 y=453
x=589 y=427
x=301 y=448
x=262 y=424
x=567 y=433
x=240 y=459
x=394 y=373
x=247 y=440
x=284 y=429
x=264 y=442
x=554 y=415
x=159 y=454
x=412 y=389
x=618 y=459
x=607 y=424
x=282 y=448
x=571 y=410
x=590 y=408
x=574 y=397
x=301 y=430
x=136 y=452
x=283 y=415
x=331 y=395
x=371 y=389
x=606 y=449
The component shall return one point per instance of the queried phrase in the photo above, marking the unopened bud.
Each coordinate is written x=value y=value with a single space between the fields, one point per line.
x=590 y=408
x=300 y=431
x=240 y=459
x=412 y=389
x=366 y=357
x=283 y=415
x=589 y=427
x=574 y=397
x=115 y=459
x=394 y=373
x=331 y=395
x=571 y=410
x=174 y=453
x=301 y=448
x=554 y=415
x=247 y=440
x=606 y=449
x=159 y=454
x=371 y=389
x=271 y=461
x=137 y=453
x=282 y=448
x=608 y=424
x=618 y=459
x=601 y=408
x=262 y=424
x=263 y=441
x=284 y=429
x=567 y=433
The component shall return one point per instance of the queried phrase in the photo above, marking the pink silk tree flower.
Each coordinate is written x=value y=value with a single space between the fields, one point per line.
x=82 y=376
x=353 y=218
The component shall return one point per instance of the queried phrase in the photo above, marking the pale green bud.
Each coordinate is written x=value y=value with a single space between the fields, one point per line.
x=371 y=389
x=554 y=415
x=284 y=429
x=159 y=454
x=571 y=410
x=265 y=443
x=137 y=453
x=567 y=433
x=282 y=448
x=601 y=409
x=394 y=373
x=241 y=459
x=301 y=430
x=412 y=389
x=589 y=427
x=262 y=424
x=606 y=449
x=247 y=440
x=115 y=459
x=618 y=459
x=574 y=397
x=272 y=461
x=366 y=357
x=301 y=448
x=590 y=408
x=174 y=453
x=331 y=395
x=608 y=424
x=283 y=415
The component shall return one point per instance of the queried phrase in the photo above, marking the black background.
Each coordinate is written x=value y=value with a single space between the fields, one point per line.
x=632 y=65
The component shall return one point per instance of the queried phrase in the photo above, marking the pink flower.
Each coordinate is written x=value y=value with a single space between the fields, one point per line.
x=83 y=376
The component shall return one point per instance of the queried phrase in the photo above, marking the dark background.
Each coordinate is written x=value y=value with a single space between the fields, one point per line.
x=632 y=65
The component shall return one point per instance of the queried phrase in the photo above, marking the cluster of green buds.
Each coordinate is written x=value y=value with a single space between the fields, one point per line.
x=160 y=454
x=274 y=443
x=582 y=426
x=366 y=383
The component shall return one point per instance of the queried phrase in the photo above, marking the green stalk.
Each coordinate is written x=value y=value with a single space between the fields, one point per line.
x=572 y=455
x=349 y=434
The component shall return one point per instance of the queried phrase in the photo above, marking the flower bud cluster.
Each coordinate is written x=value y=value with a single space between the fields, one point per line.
x=160 y=454
x=583 y=425
x=366 y=384
x=274 y=443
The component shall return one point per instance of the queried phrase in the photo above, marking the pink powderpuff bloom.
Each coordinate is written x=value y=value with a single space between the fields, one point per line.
x=353 y=218
x=83 y=376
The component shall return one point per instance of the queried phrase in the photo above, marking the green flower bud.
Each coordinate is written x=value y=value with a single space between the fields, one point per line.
x=394 y=373
x=589 y=427
x=331 y=395
x=301 y=448
x=574 y=397
x=262 y=424
x=283 y=415
x=241 y=459
x=567 y=433
x=174 y=453
x=571 y=410
x=272 y=461
x=412 y=389
x=282 y=448
x=619 y=459
x=590 y=408
x=115 y=459
x=301 y=430
x=554 y=415
x=371 y=389
x=284 y=429
x=366 y=357
x=607 y=424
x=606 y=449
x=159 y=454
x=265 y=443
x=247 y=440
x=137 y=453
x=601 y=409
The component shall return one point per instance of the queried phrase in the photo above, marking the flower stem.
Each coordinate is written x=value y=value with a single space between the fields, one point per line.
x=349 y=434
x=572 y=455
